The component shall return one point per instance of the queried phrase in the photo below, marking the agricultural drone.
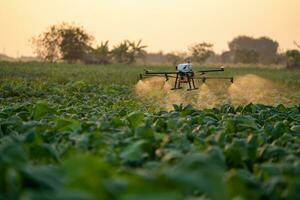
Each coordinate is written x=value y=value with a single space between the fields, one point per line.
x=184 y=74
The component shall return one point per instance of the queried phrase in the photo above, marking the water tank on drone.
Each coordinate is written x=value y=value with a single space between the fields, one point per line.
x=185 y=67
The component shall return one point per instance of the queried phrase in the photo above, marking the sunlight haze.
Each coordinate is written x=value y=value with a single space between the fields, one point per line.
x=167 y=25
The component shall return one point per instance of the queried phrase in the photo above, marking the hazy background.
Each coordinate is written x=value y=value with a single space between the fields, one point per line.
x=162 y=24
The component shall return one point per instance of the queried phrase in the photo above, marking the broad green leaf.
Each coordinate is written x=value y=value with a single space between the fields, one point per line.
x=296 y=129
x=135 y=119
x=136 y=152
x=41 y=109
x=68 y=125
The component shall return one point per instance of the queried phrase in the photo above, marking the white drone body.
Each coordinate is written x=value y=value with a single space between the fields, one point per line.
x=185 y=67
x=185 y=74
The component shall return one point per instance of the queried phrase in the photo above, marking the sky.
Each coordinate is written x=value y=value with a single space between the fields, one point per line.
x=163 y=25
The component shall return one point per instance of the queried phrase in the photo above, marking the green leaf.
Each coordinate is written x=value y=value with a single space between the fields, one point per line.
x=135 y=119
x=68 y=125
x=144 y=132
x=41 y=109
x=236 y=153
x=273 y=153
x=153 y=196
x=136 y=152
x=88 y=174
x=296 y=129
x=244 y=185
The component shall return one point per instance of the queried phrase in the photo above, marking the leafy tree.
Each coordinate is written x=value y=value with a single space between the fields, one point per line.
x=47 y=44
x=265 y=47
x=227 y=57
x=201 y=52
x=246 y=56
x=74 y=42
x=66 y=41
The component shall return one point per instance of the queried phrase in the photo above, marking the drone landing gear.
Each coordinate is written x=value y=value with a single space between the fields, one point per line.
x=192 y=89
x=184 y=78
x=191 y=83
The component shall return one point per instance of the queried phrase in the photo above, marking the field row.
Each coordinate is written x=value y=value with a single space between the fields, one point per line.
x=66 y=133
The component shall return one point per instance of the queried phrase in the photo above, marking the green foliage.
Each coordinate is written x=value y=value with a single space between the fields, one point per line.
x=63 y=41
x=41 y=110
x=103 y=54
x=201 y=52
x=47 y=44
x=261 y=50
x=175 y=58
x=127 y=52
x=74 y=42
x=293 y=59
x=246 y=56
x=135 y=119
x=226 y=158
x=73 y=136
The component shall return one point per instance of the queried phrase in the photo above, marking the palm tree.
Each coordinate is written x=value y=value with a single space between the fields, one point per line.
x=120 y=52
x=127 y=52
x=136 y=50
x=102 y=53
x=297 y=45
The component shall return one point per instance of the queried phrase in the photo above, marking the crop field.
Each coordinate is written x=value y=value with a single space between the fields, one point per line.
x=93 y=132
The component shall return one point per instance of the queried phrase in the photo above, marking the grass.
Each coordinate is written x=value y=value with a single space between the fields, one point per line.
x=40 y=78
x=122 y=74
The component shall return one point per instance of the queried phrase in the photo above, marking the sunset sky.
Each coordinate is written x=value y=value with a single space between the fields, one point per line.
x=168 y=25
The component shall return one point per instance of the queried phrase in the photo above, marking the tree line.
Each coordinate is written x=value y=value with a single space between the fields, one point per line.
x=71 y=43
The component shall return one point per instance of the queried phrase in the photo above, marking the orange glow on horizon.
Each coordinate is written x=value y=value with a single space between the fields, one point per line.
x=167 y=25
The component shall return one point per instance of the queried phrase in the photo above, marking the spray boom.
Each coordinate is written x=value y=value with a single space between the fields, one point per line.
x=185 y=74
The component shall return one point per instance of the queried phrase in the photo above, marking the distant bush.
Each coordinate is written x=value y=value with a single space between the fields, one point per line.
x=247 y=49
x=201 y=52
x=246 y=56
x=176 y=57
x=293 y=59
